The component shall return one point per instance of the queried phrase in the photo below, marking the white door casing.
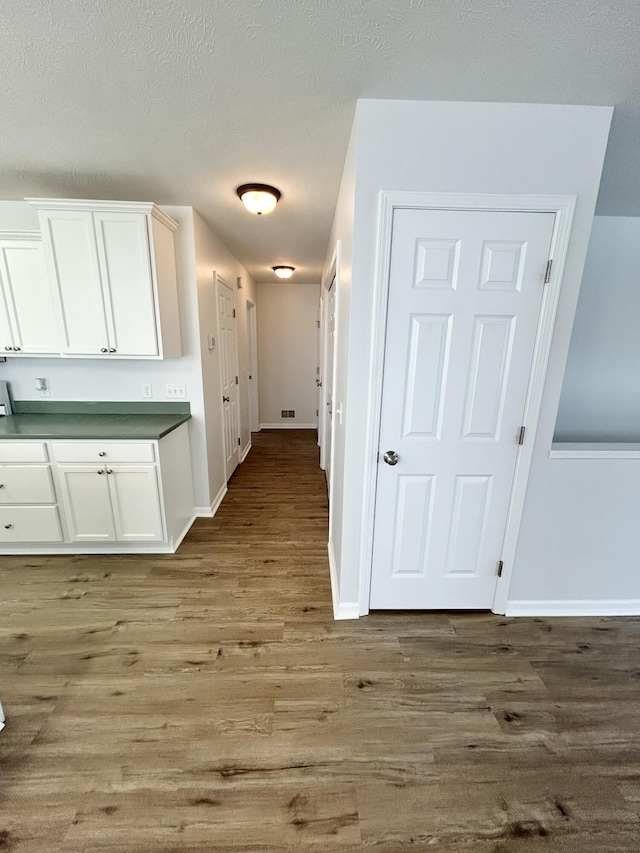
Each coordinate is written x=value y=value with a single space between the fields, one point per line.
x=328 y=378
x=228 y=375
x=467 y=490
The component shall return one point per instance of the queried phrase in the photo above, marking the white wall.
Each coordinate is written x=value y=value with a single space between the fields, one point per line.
x=198 y=253
x=287 y=315
x=600 y=397
x=457 y=147
x=579 y=550
x=340 y=246
x=213 y=257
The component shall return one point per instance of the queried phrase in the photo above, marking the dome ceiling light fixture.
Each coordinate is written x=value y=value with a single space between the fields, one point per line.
x=258 y=198
x=283 y=272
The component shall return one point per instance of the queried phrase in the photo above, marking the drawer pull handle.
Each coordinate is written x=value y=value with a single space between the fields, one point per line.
x=8 y=526
x=102 y=453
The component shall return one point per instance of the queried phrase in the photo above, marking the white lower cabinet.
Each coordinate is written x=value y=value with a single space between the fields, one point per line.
x=96 y=496
x=112 y=503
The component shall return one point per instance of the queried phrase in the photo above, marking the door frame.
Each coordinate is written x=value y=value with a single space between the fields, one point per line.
x=332 y=275
x=252 y=342
x=217 y=280
x=563 y=206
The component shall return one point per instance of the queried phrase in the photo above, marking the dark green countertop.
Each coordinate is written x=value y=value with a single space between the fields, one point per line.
x=116 y=421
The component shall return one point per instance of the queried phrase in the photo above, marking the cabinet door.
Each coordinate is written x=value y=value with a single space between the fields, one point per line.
x=72 y=262
x=26 y=484
x=85 y=493
x=125 y=265
x=27 y=298
x=136 y=502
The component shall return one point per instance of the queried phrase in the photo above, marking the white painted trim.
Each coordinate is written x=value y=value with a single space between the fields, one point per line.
x=245 y=452
x=622 y=607
x=345 y=609
x=595 y=451
x=21 y=235
x=101 y=205
x=337 y=326
x=215 y=505
x=210 y=511
x=288 y=426
x=563 y=207
x=176 y=542
x=100 y=548
x=322 y=397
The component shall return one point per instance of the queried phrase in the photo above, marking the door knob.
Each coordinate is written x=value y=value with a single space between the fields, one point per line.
x=391 y=457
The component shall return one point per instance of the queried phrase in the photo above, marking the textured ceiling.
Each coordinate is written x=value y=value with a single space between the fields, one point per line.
x=179 y=101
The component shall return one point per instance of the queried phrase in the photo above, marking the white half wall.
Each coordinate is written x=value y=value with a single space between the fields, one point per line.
x=579 y=549
x=600 y=399
x=287 y=315
x=455 y=147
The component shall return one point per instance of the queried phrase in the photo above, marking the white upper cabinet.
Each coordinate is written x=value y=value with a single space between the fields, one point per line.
x=26 y=303
x=112 y=268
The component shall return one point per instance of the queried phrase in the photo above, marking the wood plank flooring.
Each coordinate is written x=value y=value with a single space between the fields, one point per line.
x=206 y=701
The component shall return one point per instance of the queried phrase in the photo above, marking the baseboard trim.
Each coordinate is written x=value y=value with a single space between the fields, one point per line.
x=288 y=426
x=210 y=511
x=176 y=542
x=344 y=609
x=245 y=453
x=622 y=607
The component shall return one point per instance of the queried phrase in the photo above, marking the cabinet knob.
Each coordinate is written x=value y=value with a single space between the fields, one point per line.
x=8 y=349
x=109 y=471
x=102 y=453
x=101 y=471
x=103 y=349
x=8 y=526
x=112 y=349
x=16 y=349
x=1 y=485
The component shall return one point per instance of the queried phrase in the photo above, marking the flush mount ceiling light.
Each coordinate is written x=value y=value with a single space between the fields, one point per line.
x=283 y=272
x=258 y=198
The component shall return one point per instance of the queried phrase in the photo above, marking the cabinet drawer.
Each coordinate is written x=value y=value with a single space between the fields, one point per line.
x=23 y=451
x=29 y=524
x=26 y=484
x=103 y=451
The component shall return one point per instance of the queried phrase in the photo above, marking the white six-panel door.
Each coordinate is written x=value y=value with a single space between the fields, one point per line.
x=228 y=375
x=465 y=292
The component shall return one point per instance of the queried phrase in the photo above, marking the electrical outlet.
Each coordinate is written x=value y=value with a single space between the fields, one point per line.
x=175 y=391
x=42 y=386
x=147 y=390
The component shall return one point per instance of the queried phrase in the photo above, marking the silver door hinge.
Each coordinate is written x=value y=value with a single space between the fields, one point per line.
x=547 y=274
x=500 y=568
x=236 y=380
x=521 y=435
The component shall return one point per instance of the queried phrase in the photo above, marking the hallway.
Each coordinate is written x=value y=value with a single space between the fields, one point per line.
x=207 y=701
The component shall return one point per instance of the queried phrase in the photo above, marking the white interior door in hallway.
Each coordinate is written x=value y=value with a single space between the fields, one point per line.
x=228 y=375
x=327 y=377
x=465 y=293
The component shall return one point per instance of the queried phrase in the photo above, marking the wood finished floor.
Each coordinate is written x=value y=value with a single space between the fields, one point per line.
x=207 y=702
